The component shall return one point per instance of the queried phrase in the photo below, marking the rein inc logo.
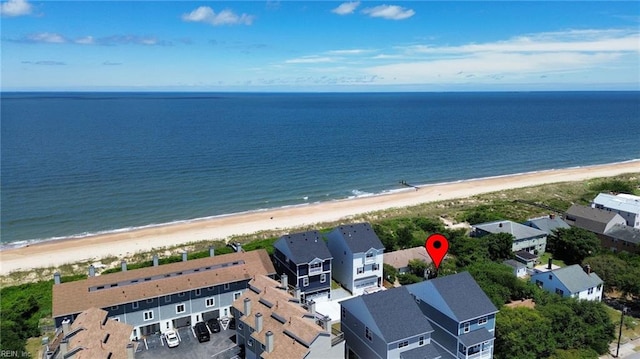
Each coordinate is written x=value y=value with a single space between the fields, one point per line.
x=14 y=354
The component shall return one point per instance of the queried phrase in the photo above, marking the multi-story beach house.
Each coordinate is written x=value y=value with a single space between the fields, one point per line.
x=526 y=238
x=547 y=224
x=626 y=205
x=162 y=297
x=592 y=219
x=462 y=316
x=306 y=261
x=571 y=281
x=386 y=324
x=92 y=335
x=271 y=324
x=357 y=257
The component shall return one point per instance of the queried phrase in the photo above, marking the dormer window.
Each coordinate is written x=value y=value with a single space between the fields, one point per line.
x=370 y=256
x=315 y=266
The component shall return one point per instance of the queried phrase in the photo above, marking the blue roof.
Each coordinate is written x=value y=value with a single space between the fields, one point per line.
x=359 y=237
x=547 y=224
x=457 y=296
x=475 y=337
x=303 y=247
x=394 y=312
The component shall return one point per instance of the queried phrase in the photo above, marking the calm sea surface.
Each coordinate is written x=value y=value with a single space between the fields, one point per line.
x=79 y=163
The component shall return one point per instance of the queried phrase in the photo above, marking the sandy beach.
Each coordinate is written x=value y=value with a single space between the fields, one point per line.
x=55 y=253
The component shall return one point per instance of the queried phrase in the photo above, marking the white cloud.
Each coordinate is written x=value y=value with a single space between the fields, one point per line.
x=46 y=37
x=390 y=12
x=87 y=40
x=310 y=60
x=225 y=17
x=346 y=8
x=15 y=8
x=349 y=52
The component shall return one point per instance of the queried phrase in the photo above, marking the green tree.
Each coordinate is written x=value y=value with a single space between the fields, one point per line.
x=574 y=354
x=389 y=272
x=386 y=237
x=522 y=333
x=408 y=278
x=498 y=245
x=574 y=244
x=405 y=237
x=429 y=225
x=481 y=214
x=417 y=267
x=468 y=251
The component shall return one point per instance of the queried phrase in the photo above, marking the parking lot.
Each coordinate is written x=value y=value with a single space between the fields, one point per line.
x=220 y=346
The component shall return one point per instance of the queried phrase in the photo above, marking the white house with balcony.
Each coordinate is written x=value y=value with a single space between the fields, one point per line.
x=357 y=257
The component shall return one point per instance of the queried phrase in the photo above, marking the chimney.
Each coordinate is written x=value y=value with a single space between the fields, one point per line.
x=552 y=216
x=326 y=323
x=500 y=225
x=66 y=324
x=268 y=339
x=131 y=351
x=238 y=247
x=247 y=306
x=587 y=269
x=284 y=281
x=123 y=265
x=156 y=261
x=212 y=251
x=92 y=271
x=56 y=278
x=184 y=256
x=64 y=347
x=312 y=307
x=258 y=322
x=549 y=264
x=296 y=294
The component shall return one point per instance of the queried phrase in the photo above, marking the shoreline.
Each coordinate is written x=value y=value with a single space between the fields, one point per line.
x=125 y=242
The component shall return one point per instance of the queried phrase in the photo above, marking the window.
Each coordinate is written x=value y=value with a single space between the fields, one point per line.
x=180 y=308
x=599 y=286
x=466 y=327
x=197 y=292
x=250 y=342
x=323 y=278
x=590 y=290
x=360 y=270
x=240 y=326
x=421 y=342
x=370 y=254
x=149 y=301
x=482 y=321
x=148 y=315
x=375 y=267
x=181 y=294
x=550 y=277
x=403 y=344
x=115 y=307
x=305 y=281
x=226 y=286
x=167 y=299
x=539 y=283
x=315 y=267
x=367 y=333
x=344 y=313
x=559 y=291
x=210 y=302
x=134 y=305
x=236 y=295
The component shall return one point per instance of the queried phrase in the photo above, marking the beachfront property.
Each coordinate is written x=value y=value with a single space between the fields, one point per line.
x=272 y=324
x=626 y=205
x=462 y=316
x=357 y=257
x=304 y=259
x=162 y=297
x=92 y=335
x=386 y=324
x=400 y=259
x=592 y=219
x=571 y=281
x=547 y=224
x=526 y=238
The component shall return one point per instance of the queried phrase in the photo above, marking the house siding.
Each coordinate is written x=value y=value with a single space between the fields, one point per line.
x=354 y=335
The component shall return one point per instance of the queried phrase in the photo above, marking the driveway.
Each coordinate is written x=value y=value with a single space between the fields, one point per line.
x=221 y=346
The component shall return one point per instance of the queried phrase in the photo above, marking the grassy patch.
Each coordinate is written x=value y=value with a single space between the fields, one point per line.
x=630 y=327
x=34 y=347
x=544 y=259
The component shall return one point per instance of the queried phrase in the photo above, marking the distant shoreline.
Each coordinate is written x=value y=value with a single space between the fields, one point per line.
x=127 y=241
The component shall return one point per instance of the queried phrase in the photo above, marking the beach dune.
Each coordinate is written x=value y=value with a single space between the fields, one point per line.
x=55 y=253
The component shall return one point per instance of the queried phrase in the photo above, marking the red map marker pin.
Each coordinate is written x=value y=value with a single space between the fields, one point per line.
x=437 y=246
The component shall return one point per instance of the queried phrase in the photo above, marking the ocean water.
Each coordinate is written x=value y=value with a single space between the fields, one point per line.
x=79 y=163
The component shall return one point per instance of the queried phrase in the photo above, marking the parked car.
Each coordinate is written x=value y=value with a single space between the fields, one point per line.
x=202 y=333
x=213 y=325
x=232 y=324
x=172 y=338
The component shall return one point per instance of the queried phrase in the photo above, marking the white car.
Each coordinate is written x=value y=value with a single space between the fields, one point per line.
x=172 y=338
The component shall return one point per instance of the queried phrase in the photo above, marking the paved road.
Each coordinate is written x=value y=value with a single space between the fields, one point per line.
x=626 y=350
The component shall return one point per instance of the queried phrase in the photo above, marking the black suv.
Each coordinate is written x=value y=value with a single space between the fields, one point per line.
x=213 y=325
x=202 y=333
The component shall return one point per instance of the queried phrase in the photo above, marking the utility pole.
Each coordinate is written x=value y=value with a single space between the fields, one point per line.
x=624 y=310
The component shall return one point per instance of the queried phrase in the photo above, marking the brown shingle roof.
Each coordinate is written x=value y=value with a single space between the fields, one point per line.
x=401 y=258
x=74 y=297
x=292 y=337
x=92 y=333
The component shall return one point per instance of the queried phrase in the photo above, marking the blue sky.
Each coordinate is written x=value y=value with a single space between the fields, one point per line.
x=320 y=45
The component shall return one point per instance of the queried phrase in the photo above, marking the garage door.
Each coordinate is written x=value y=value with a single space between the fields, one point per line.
x=214 y=314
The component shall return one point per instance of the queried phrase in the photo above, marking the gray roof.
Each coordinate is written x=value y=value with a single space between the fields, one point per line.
x=517 y=230
x=395 y=313
x=524 y=255
x=475 y=337
x=427 y=351
x=626 y=203
x=514 y=264
x=576 y=279
x=457 y=295
x=303 y=247
x=591 y=219
x=546 y=223
x=624 y=233
x=360 y=237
